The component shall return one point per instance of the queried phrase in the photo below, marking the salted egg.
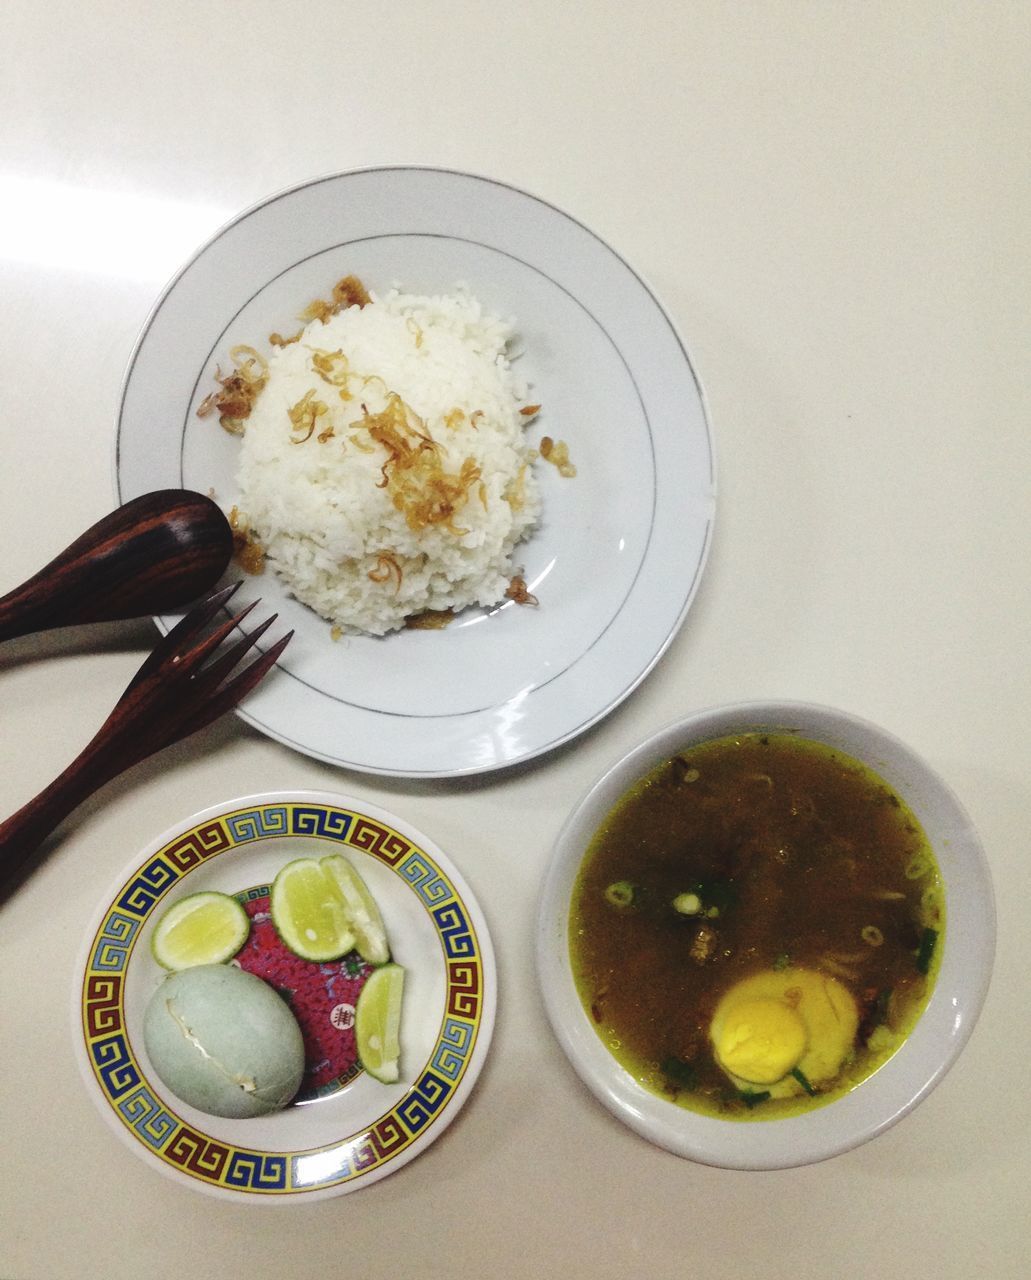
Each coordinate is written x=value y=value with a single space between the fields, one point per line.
x=776 y=1023
x=224 y=1041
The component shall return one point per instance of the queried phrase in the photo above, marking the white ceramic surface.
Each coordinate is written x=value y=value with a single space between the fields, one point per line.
x=832 y=202
x=333 y=1144
x=621 y=547
x=908 y=1076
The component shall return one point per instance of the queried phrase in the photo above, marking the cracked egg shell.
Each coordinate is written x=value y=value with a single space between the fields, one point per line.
x=224 y=1041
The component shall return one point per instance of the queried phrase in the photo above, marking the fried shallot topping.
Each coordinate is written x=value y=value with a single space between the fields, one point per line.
x=239 y=389
x=703 y=944
x=430 y=620
x=331 y=366
x=248 y=553
x=303 y=417
x=557 y=453
x=335 y=368
x=387 y=568
x=317 y=309
x=413 y=473
x=530 y=410
x=517 y=591
x=349 y=292
x=515 y=493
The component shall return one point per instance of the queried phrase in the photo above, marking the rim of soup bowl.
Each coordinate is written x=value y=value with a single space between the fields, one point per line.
x=900 y=1083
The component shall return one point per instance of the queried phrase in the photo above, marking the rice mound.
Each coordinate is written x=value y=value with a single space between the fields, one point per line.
x=384 y=468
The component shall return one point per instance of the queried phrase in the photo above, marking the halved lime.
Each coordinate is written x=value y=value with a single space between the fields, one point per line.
x=377 y=1022
x=363 y=915
x=203 y=928
x=308 y=912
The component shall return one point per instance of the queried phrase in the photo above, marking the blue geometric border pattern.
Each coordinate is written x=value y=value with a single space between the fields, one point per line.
x=256 y=824
x=452 y=1051
x=148 y=1117
x=257 y=1171
x=115 y=1065
x=322 y=1168
x=425 y=879
x=423 y=1101
x=455 y=932
x=321 y=820
x=142 y=1111
x=114 y=943
x=146 y=888
x=253 y=893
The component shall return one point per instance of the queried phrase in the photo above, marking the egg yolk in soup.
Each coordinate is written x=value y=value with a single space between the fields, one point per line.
x=756 y=926
x=776 y=1029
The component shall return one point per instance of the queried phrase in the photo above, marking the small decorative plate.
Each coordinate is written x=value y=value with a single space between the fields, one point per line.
x=345 y=1129
x=621 y=546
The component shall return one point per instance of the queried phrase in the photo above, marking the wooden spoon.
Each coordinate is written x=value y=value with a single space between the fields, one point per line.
x=149 y=556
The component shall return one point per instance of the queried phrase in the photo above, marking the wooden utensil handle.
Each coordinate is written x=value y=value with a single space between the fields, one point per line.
x=149 y=556
x=25 y=831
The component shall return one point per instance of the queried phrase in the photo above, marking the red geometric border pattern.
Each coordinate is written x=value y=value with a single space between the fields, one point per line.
x=103 y=1004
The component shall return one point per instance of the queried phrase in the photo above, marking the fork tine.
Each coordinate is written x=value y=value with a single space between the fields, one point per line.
x=189 y=660
x=213 y=674
x=233 y=692
x=200 y=615
x=188 y=626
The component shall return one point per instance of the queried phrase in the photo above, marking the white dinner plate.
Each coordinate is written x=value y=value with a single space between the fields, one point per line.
x=620 y=550
x=345 y=1135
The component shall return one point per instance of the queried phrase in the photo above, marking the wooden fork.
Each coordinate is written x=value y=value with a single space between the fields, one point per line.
x=175 y=693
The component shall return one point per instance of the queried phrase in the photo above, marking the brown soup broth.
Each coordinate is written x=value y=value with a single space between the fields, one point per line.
x=798 y=855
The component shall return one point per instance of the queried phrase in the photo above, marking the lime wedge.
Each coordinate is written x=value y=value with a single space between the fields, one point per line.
x=308 y=912
x=203 y=928
x=363 y=916
x=377 y=1022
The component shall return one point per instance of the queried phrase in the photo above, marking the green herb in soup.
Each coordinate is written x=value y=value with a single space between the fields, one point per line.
x=756 y=926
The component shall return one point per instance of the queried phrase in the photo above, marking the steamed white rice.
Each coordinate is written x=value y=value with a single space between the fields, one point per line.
x=327 y=509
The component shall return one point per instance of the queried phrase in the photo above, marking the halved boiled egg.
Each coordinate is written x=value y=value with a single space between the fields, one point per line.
x=774 y=1027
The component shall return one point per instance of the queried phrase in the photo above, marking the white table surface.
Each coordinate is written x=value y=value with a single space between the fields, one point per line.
x=832 y=202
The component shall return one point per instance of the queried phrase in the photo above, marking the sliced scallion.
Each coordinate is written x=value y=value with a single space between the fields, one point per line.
x=881 y=1004
x=925 y=952
x=679 y=1072
x=620 y=894
x=801 y=1078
